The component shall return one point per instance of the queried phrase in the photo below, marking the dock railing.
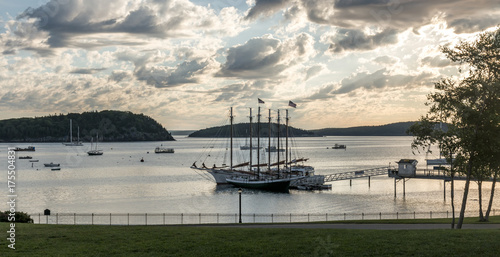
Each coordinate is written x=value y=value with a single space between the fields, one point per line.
x=227 y=218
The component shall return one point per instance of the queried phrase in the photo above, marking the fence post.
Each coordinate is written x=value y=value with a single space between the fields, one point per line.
x=380 y=214
x=199 y=219
x=163 y=218
x=362 y=216
x=326 y=216
x=217 y=218
x=57 y=218
x=431 y=214
x=74 y=218
x=272 y=218
x=414 y=216
x=110 y=219
x=344 y=215
x=146 y=218
x=92 y=218
x=39 y=218
x=290 y=217
x=128 y=219
x=397 y=215
x=308 y=217
x=446 y=214
x=254 y=218
x=182 y=218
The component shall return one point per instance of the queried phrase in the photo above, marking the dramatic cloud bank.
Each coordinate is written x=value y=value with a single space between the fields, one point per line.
x=355 y=62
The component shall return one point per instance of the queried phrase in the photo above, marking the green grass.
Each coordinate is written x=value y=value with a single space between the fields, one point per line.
x=85 y=240
x=467 y=220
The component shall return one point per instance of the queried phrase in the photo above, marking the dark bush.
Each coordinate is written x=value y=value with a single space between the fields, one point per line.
x=20 y=217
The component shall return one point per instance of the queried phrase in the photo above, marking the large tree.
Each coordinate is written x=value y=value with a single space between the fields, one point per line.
x=470 y=106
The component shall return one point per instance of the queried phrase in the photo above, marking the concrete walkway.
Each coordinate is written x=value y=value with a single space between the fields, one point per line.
x=361 y=226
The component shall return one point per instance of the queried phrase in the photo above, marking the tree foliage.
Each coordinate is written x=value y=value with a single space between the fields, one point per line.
x=471 y=107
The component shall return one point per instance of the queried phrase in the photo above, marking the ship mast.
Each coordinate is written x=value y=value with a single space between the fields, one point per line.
x=258 y=143
x=231 y=128
x=286 y=149
x=278 y=144
x=269 y=145
x=251 y=149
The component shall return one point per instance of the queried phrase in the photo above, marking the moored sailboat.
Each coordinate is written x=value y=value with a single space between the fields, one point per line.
x=71 y=143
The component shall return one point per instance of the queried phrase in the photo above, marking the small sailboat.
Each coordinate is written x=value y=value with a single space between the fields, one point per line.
x=94 y=151
x=52 y=164
x=71 y=143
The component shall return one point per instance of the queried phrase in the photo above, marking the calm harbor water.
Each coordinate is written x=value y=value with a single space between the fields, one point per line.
x=117 y=182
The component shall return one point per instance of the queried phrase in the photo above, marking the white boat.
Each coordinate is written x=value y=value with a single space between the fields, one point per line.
x=94 y=151
x=52 y=164
x=161 y=149
x=71 y=143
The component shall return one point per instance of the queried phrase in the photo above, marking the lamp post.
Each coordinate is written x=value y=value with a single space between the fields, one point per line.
x=239 y=192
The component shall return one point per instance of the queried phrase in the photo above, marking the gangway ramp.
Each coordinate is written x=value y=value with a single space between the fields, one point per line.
x=356 y=174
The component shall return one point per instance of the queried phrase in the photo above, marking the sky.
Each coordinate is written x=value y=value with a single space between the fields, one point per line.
x=343 y=63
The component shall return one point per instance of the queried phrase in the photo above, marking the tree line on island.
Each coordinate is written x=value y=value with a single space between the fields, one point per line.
x=242 y=130
x=110 y=125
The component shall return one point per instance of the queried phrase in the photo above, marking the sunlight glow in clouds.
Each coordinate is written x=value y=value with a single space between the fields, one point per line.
x=344 y=62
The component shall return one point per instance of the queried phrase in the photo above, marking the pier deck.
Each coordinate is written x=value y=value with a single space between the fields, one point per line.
x=357 y=174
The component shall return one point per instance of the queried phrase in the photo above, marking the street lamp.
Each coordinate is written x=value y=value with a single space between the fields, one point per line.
x=239 y=192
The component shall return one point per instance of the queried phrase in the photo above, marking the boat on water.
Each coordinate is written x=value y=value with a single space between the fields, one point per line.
x=29 y=148
x=161 y=149
x=276 y=176
x=338 y=146
x=25 y=157
x=52 y=164
x=93 y=150
x=56 y=168
x=33 y=160
x=71 y=143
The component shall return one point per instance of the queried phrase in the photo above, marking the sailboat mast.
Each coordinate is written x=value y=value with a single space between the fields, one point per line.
x=286 y=144
x=78 y=134
x=278 y=144
x=258 y=143
x=269 y=144
x=251 y=149
x=231 y=128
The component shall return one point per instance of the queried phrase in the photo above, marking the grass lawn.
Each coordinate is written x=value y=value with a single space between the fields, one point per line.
x=86 y=240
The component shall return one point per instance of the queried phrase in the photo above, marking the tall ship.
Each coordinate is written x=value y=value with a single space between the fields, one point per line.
x=259 y=169
x=93 y=149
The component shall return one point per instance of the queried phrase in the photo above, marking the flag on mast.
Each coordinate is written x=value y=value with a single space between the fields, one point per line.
x=292 y=104
x=260 y=101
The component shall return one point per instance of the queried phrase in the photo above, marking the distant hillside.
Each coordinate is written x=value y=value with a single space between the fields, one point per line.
x=394 y=129
x=111 y=126
x=242 y=130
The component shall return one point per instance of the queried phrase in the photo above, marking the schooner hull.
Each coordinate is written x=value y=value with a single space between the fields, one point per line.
x=279 y=185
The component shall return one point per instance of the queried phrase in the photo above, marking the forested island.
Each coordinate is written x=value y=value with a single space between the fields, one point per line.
x=242 y=130
x=393 y=129
x=110 y=125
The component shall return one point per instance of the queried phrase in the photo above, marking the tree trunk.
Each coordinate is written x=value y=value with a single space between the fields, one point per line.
x=490 y=203
x=480 y=196
x=452 y=201
x=466 y=194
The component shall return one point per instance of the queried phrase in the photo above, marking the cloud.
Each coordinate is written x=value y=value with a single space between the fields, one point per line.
x=313 y=71
x=87 y=70
x=187 y=72
x=352 y=40
x=394 y=14
x=89 y=24
x=375 y=81
x=436 y=61
x=266 y=57
x=265 y=7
